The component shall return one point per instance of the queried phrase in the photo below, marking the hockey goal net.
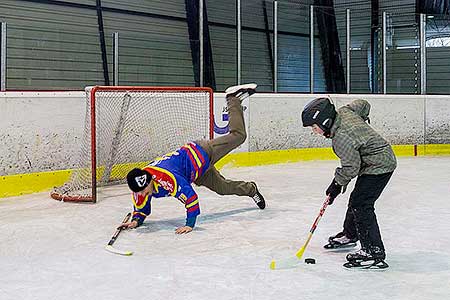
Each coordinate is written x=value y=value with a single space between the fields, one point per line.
x=127 y=127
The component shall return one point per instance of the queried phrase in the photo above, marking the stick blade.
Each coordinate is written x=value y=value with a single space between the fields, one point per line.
x=272 y=265
x=300 y=252
x=287 y=263
x=111 y=249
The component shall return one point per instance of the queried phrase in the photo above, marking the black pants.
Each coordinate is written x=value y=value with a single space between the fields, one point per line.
x=360 y=219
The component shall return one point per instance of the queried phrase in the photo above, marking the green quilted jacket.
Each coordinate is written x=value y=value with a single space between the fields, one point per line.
x=360 y=148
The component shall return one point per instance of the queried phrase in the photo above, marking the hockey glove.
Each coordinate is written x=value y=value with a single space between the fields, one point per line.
x=333 y=191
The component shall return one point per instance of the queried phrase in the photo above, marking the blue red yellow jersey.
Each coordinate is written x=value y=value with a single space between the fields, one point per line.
x=173 y=175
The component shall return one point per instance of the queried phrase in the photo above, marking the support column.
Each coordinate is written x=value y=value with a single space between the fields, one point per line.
x=3 y=56
x=423 y=54
x=115 y=51
x=239 y=40
x=311 y=49
x=332 y=65
x=384 y=52
x=101 y=33
x=349 y=45
x=275 y=46
x=201 y=40
x=201 y=54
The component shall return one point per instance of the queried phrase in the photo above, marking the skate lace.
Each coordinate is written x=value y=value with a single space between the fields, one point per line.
x=342 y=239
x=362 y=252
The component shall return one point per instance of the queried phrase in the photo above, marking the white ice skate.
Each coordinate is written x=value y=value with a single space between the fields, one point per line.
x=241 y=91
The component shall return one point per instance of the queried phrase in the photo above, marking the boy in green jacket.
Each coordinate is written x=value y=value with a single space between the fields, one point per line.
x=364 y=154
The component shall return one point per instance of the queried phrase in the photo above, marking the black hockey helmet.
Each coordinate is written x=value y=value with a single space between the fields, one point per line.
x=138 y=179
x=319 y=111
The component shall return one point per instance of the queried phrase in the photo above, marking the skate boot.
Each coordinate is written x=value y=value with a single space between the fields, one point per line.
x=340 y=240
x=258 y=198
x=241 y=91
x=367 y=259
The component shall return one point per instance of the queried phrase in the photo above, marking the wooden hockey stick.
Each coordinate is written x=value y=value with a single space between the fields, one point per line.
x=293 y=261
x=110 y=247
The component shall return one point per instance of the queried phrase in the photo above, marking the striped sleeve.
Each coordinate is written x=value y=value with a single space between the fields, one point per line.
x=192 y=206
x=190 y=199
x=141 y=207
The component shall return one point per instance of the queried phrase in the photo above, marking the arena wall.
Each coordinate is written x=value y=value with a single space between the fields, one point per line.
x=41 y=132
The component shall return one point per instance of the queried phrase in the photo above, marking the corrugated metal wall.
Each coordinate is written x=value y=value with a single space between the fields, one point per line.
x=51 y=46
x=222 y=19
x=403 y=53
x=294 y=49
x=256 y=64
x=257 y=46
x=340 y=13
x=54 y=46
x=360 y=41
x=438 y=54
x=153 y=50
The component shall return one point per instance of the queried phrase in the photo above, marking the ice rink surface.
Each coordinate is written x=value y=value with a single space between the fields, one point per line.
x=53 y=250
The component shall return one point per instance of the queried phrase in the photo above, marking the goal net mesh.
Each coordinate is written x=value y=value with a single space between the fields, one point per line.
x=132 y=127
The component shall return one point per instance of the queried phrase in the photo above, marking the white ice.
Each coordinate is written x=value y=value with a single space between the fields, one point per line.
x=53 y=250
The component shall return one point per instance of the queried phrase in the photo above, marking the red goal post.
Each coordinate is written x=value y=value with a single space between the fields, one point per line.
x=128 y=126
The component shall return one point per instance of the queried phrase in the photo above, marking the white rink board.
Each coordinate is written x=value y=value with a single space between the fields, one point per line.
x=42 y=131
x=53 y=250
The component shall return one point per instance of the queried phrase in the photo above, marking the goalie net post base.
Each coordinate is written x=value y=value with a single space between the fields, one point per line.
x=71 y=198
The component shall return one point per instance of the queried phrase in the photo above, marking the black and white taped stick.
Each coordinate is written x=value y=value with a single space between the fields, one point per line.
x=110 y=247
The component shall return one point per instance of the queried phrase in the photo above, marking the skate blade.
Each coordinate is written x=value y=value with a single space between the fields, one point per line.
x=372 y=266
x=330 y=247
x=245 y=94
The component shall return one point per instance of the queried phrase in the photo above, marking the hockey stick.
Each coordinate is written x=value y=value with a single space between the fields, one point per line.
x=293 y=261
x=110 y=248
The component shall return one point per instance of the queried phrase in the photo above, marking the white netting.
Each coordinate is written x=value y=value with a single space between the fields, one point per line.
x=134 y=126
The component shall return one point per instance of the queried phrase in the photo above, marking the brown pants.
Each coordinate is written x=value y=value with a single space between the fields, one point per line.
x=221 y=146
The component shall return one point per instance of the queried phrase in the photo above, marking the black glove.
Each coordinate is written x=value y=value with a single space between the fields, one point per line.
x=333 y=191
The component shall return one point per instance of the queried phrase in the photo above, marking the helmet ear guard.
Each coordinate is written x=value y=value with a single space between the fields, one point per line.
x=321 y=112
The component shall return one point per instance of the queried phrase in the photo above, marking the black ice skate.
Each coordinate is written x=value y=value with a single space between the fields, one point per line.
x=363 y=259
x=241 y=91
x=258 y=198
x=340 y=241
